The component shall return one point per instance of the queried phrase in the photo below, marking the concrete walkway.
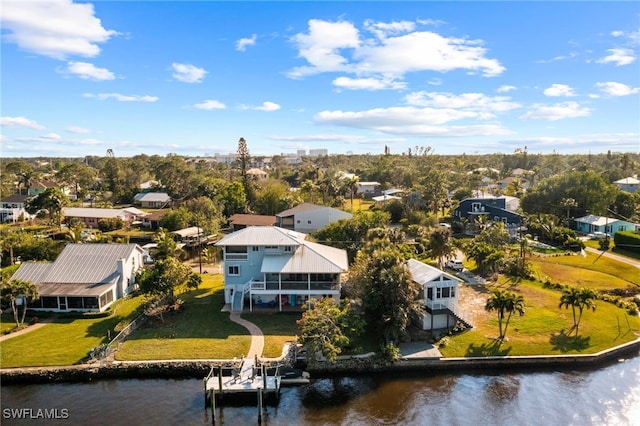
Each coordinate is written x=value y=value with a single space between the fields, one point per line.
x=25 y=330
x=257 y=338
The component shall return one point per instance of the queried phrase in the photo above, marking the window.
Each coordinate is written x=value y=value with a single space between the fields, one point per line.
x=50 y=302
x=288 y=249
x=234 y=270
x=309 y=222
x=430 y=293
x=298 y=221
x=255 y=248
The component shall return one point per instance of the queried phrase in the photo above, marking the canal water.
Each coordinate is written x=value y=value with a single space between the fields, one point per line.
x=606 y=396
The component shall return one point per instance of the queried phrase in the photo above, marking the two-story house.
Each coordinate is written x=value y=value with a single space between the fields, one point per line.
x=84 y=277
x=268 y=266
x=440 y=296
x=497 y=209
x=13 y=208
x=308 y=217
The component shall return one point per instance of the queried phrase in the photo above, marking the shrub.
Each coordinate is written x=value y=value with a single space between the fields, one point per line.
x=628 y=240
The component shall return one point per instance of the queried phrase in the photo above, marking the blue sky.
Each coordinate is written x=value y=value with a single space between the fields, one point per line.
x=159 y=77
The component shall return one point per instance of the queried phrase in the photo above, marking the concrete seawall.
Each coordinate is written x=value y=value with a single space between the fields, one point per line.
x=355 y=365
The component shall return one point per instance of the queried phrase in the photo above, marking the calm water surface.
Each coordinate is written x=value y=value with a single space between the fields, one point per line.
x=607 y=396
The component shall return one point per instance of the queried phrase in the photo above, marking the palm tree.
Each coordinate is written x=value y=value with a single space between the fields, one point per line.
x=75 y=234
x=19 y=293
x=440 y=246
x=167 y=246
x=506 y=304
x=579 y=298
x=351 y=185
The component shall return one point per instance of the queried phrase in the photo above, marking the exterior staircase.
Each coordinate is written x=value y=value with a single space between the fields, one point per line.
x=459 y=316
x=238 y=301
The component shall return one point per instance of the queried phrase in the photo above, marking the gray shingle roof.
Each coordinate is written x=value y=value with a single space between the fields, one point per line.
x=301 y=208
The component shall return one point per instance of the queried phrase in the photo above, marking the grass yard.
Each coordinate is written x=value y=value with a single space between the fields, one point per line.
x=66 y=340
x=545 y=328
x=278 y=328
x=201 y=331
x=600 y=271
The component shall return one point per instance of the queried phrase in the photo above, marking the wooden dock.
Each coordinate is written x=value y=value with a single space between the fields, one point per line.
x=247 y=378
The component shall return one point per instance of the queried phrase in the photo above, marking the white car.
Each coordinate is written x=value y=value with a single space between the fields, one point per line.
x=455 y=264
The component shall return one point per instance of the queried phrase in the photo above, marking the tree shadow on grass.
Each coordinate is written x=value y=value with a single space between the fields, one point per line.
x=488 y=349
x=563 y=342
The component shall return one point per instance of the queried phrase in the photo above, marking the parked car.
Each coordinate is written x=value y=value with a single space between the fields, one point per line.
x=455 y=264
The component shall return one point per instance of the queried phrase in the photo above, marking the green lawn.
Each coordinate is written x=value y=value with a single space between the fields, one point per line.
x=570 y=269
x=66 y=340
x=278 y=328
x=545 y=329
x=201 y=331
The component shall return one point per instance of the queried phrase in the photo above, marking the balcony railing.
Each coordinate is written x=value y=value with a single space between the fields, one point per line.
x=295 y=285
x=236 y=256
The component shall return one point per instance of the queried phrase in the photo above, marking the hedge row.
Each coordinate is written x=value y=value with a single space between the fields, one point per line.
x=627 y=240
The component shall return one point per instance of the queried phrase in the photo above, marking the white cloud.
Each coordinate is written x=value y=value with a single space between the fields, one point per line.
x=210 y=104
x=468 y=101
x=52 y=136
x=619 y=56
x=241 y=45
x=87 y=71
x=20 y=122
x=368 y=83
x=397 y=50
x=188 y=73
x=612 y=88
x=121 y=98
x=321 y=46
x=556 y=112
x=337 y=137
x=383 y=29
x=505 y=88
x=54 y=28
x=559 y=90
x=268 y=106
x=77 y=130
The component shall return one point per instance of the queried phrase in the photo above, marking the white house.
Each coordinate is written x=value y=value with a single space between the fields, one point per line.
x=307 y=217
x=268 y=266
x=13 y=208
x=152 y=200
x=440 y=296
x=368 y=187
x=628 y=184
x=84 y=277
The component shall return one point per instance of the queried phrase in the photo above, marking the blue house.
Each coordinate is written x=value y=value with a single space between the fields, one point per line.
x=268 y=266
x=608 y=225
x=497 y=209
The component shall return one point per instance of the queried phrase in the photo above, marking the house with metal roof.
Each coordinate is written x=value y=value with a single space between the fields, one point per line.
x=603 y=224
x=91 y=216
x=268 y=266
x=12 y=208
x=628 y=184
x=84 y=277
x=152 y=200
x=308 y=217
x=440 y=296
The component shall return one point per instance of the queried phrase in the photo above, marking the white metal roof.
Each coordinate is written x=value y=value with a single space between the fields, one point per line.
x=423 y=273
x=92 y=212
x=79 y=264
x=262 y=236
x=311 y=258
x=596 y=220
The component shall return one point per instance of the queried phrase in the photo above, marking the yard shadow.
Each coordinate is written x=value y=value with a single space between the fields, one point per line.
x=563 y=342
x=487 y=349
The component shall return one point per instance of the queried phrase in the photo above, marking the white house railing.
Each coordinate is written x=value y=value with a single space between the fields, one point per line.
x=236 y=256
